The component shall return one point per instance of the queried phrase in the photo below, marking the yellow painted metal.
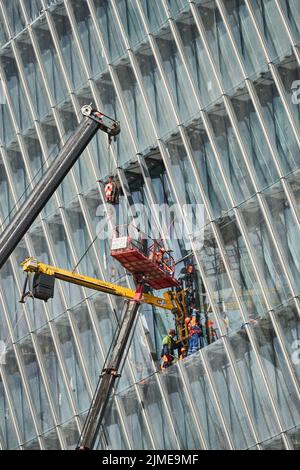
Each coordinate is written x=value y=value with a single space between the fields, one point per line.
x=32 y=265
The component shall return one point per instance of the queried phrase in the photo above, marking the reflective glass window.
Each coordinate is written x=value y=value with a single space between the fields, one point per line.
x=272 y=27
x=245 y=36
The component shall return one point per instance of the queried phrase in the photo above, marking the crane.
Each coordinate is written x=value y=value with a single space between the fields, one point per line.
x=145 y=267
x=146 y=270
x=92 y=121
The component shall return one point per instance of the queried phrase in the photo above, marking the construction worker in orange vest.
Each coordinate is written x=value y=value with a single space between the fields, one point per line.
x=183 y=353
x=110 y=190
x=194 y=334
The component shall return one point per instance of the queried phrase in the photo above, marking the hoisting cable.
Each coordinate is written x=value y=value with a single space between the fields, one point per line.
x=85 y=253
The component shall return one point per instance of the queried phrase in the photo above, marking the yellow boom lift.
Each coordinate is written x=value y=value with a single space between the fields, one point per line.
x=146 y=270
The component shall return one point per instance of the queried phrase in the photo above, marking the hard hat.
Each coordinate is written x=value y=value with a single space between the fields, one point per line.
x=172 y=332
x=187 y=320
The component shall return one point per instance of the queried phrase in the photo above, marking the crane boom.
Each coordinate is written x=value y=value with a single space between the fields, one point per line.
x=108 y=377
x=93 y=121
x=31 y=265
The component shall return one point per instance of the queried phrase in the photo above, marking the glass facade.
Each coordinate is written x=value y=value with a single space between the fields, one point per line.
x=208 y=96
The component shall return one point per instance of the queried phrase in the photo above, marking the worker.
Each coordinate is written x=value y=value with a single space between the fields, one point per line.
x=168 y=347
x=194 y=334
x=211 y=331
x=183 y=353
x=160 y=255
x=109 y=190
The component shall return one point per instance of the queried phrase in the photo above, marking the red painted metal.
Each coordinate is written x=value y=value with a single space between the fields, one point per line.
x=154 y=264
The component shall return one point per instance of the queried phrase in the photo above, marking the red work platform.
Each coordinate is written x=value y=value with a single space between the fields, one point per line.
x=130 y=253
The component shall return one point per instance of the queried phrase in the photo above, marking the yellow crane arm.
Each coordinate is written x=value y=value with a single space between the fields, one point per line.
x=32 y=265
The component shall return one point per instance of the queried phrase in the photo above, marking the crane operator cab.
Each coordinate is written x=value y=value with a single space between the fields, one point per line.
x=144 y=257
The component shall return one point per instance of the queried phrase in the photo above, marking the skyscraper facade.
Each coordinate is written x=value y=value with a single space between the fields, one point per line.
x=208 y=96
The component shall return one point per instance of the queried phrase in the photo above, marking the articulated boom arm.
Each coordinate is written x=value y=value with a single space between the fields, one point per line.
x=171 y=301
x=32 y=265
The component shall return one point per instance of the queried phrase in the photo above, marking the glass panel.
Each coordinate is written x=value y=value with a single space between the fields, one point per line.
x=50 y=61
x=204 y=402
x=80 y=237
x=33 y=76
x=217 y=276
x=154 y=12
x=287 y=230
x=232 y=159
x=254 y=389
x=71 y=433
x=106 y=319
x=176 y=74
x=32 y=445
x=254 y=140
x=157 y=413
x=7 y=133
x=112 y=431
x=198 y=60
x=270 y=268
x=111 y=107
x=227 y=390
x=52 y=367
x=278 y=125
x=14 y=16
x=110 y=32
x=131 y=21
x=245 y=36
x=272 y=27
x=69 y=49
x=292 y=11
x=37 y=388
x=33 y=8
x=86 y=29
x=155 y=90
x=220 y=45
x=176 y=5
x=277 y=443
x=139 y=356
x=278 y=376
x=12 y=297
x=183 y=175
x=289 y=321
x=20 y=402
x=135 y=425
x=3 y=33
x=15 y=89
x=51 y=441
x=208 y=169
x=135 y=106
x=185 y=426
x=294 y=435
x=92 y=356
x=289 y=71
x=241 y=268
x=72 y=363
x=8 y=434
x=64 y=255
